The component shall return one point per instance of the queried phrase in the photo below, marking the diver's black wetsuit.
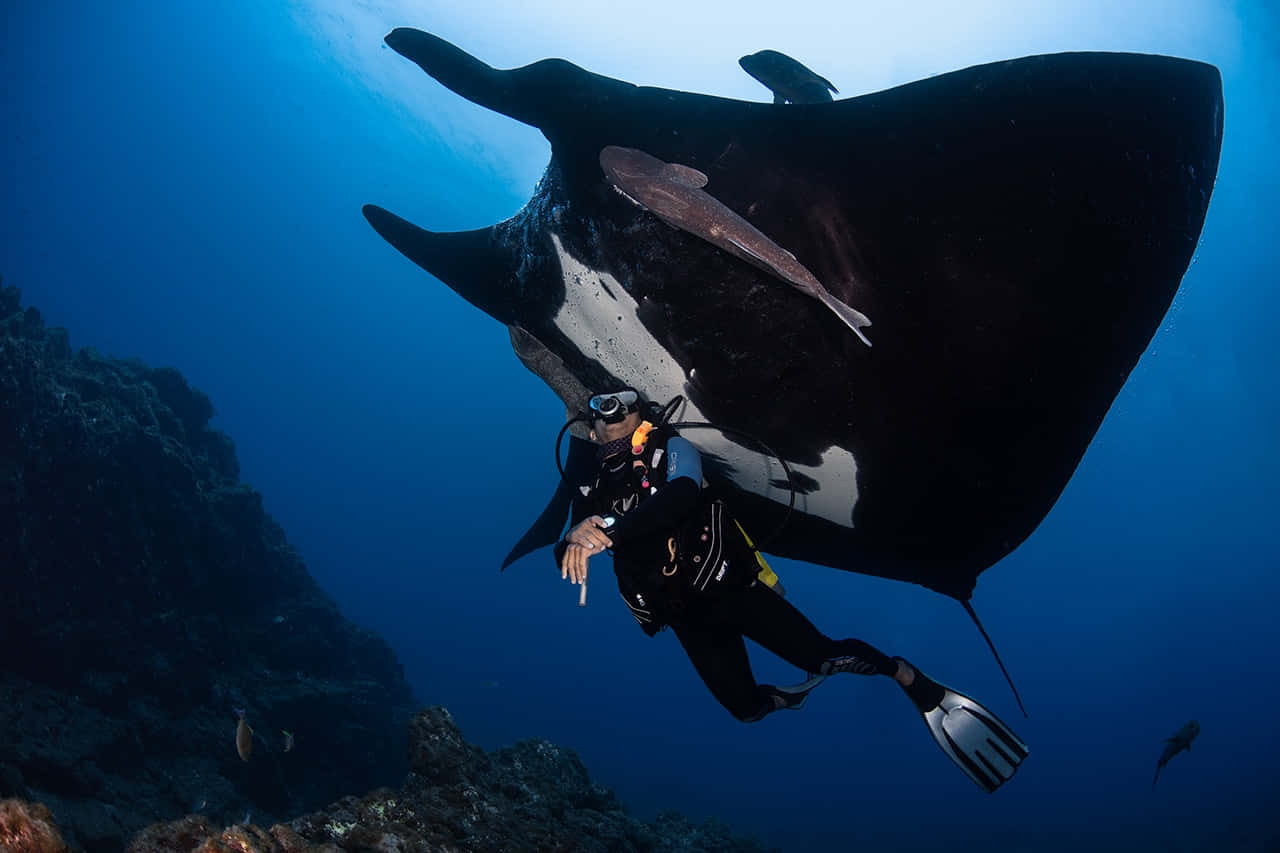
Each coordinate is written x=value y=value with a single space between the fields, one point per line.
x=680 y=562
x=713 y=640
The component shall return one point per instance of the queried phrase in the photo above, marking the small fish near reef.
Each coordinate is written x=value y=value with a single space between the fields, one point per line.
x=1173 y=745
x=244 y=736
x=288 y=740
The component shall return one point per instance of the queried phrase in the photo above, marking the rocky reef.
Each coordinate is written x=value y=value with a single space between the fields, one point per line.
x=534 y=796
x=150 y=600
x=148 y=596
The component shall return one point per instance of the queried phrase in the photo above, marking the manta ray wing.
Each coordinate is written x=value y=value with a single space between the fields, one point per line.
x=1017 y=230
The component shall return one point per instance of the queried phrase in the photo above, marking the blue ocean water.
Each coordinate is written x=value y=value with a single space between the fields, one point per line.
x=183 y=182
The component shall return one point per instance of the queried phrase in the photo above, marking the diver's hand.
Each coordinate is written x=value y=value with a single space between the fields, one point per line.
x=585 y=540
x=590 y=534
x=574 y=566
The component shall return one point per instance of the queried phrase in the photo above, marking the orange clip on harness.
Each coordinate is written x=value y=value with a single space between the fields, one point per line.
x=640 y=437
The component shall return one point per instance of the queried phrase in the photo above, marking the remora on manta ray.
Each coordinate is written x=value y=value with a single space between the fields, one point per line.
x=673 y=193
x=1016 y=229
x=790 y=80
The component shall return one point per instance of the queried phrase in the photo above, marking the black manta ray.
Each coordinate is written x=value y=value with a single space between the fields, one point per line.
x=1016 y=230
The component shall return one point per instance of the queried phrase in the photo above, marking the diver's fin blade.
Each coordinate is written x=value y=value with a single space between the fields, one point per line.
x=803 y=687
x=980 y=743
x=973 y=737
x=550 y=524
x=797 y=694
x=974 y=616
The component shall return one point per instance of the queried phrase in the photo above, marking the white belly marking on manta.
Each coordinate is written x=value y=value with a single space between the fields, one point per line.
x=606 y=326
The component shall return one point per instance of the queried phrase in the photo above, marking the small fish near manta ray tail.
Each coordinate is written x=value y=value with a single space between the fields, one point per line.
x=673 y=193
x=790 y=80
x=977 y=210
x=1180 y=741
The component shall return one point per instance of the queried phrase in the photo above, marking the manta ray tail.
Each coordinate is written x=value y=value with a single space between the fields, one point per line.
x=974 y=616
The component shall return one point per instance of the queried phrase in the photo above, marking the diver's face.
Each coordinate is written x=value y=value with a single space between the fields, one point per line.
x=602 y=432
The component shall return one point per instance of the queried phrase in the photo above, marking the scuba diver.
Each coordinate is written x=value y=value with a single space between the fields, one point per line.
x=682 y=561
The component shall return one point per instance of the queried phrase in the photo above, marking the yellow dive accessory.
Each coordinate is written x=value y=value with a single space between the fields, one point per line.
x=766 y=574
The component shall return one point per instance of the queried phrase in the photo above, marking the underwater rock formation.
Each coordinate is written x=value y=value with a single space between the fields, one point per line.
x=534 y=796
x=147 y=595
x=28 y=828
x=150 y=598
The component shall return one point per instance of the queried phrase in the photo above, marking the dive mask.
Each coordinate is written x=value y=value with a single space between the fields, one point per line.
x=614 y=406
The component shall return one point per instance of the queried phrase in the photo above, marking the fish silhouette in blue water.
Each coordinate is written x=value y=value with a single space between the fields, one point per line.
x=1180 y=741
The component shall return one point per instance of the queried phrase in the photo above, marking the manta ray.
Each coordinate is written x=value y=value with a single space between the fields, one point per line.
x=1017 y=231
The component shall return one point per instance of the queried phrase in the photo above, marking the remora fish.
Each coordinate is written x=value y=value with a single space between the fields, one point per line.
x=674 y=194
x=1173 y=745
x=790 y=80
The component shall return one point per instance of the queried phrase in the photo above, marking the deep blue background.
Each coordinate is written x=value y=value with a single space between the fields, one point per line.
x=183 y=184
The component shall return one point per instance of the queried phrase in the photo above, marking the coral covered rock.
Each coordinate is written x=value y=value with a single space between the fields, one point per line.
x=534 y=796
x=150 y=595
x=28 y=828
x=197 y=835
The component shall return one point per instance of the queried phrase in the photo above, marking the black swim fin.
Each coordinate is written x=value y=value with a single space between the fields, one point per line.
x=973 y=737
x=795 y=694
